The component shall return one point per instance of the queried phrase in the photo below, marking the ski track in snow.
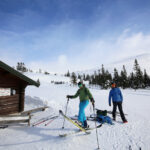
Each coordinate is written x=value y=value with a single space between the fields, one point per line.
x=136 y=133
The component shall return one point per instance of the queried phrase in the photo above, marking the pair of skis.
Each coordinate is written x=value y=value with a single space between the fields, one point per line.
x=3 y=126
x=81 y=129
x=49 y=119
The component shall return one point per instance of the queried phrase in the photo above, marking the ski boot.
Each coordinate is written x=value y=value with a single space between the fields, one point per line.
x=85 y=126
x=125 y=121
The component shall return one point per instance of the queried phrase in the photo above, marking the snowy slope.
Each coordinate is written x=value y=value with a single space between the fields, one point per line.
x=143 y=60
x=117 y=137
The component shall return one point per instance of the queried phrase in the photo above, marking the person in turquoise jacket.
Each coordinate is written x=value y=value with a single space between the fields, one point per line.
x=84 y=96
x=117 y=99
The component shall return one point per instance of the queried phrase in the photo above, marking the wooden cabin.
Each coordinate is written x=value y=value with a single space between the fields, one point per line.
x=13 y=84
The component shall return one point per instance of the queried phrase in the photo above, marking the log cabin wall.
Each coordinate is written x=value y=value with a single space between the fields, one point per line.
x=13 y=103
x=9 y=104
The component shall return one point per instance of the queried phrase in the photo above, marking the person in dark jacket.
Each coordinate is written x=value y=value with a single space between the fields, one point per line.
x=84 y=96
x=117 y=99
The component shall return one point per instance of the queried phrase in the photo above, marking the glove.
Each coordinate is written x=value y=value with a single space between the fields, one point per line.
x=92 y=101
x=69 y=96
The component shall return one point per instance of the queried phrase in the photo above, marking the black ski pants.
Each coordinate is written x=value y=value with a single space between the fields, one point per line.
x=119 y=104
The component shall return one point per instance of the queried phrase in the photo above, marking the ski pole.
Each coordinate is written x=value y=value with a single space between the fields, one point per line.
x=51 y=121
x=39 y=122
x=65 y=113
x=42 y=121
x=96 y=126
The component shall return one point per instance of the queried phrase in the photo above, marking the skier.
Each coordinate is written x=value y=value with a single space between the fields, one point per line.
x=117 y=98
x=84 y=95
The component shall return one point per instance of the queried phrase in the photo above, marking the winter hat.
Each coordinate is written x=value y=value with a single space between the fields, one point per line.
x=113 y=84
x=79 y=83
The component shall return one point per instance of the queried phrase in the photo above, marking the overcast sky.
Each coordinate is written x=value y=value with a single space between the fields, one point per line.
x=57 y=35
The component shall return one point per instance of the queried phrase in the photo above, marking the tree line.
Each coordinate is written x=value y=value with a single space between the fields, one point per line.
x=22 y=68
x=136 y=79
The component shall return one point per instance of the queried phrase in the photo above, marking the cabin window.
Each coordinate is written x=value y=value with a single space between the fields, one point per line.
x=5 y=92
x=12 y=91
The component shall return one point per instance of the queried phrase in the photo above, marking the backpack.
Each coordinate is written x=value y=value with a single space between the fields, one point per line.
x=101 y=112
x=104 y=119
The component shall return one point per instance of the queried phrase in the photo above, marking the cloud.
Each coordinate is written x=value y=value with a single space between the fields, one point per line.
x=135 y=44
x=58 y=50
x=62 y=60
x=59 y=65
x=93 y=53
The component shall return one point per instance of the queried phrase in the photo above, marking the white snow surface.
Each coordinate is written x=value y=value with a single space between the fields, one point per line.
x=136 y=133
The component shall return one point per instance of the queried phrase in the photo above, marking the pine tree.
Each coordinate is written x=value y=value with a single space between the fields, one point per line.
x=68 y=74
x=138 y=75
x=87 y=77
x=146 y=79
x=21 y=67
x=74 y=78
x=84 y=77
x=104 y=80
x=79 y=77
x=116 y=77
x=131 y=79
x=123 y=78
x=108 y=79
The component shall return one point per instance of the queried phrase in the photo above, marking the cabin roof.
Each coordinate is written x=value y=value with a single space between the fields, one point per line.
x=18 y=74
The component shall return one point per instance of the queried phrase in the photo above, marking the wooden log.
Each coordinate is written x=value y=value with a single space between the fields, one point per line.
x=8 y=100
x=16 y=103
x=9 y=108
x=15 y=115
x=4 y=98
x=15 y=119
x=12 y=115
x=34 y=110
x=6 y=113
x=9 y=111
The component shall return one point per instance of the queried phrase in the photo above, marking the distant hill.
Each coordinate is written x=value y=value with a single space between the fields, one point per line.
x=143 y=60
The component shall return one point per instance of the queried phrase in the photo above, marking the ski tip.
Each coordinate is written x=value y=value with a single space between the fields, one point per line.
x=88 y=132
x=62 y=135
x=60 y=111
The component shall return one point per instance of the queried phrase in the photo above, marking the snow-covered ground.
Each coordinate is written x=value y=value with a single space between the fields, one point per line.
x=136 y=133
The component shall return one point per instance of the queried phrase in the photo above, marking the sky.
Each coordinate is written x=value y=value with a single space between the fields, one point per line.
x=62 y=35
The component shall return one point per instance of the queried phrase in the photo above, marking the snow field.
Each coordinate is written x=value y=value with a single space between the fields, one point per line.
x=136 y=133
